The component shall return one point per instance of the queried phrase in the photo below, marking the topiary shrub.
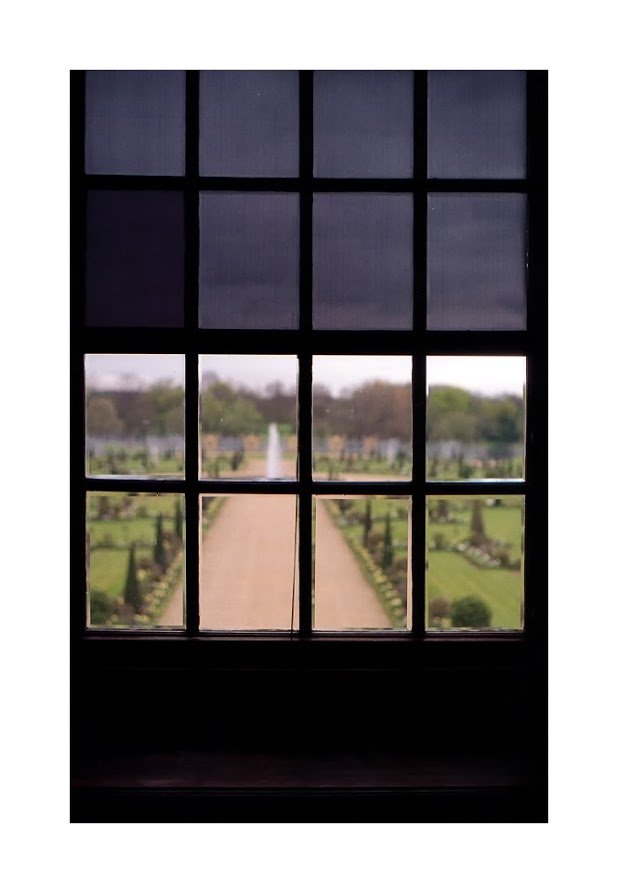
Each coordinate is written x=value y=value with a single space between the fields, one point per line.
x=102 y=606
x=440 y=542
x=470 y=612
x=439 y=609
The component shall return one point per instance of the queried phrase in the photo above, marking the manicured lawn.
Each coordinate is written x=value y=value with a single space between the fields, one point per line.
x=108 y=569
x=110 y=538
x=452 y=576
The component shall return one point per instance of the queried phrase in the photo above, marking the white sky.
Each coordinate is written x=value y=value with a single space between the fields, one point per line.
x=487 y=375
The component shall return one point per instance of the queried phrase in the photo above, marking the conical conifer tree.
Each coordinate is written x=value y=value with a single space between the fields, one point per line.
x=367 y=523
x=477 y=525
x=132 y=595
x=159 y=548
x=178 y=521
x=387 y=548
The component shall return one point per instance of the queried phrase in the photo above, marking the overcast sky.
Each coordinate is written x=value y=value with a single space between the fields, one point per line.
x=488 y=375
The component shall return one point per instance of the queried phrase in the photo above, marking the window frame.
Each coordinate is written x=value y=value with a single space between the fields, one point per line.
x=191 y=341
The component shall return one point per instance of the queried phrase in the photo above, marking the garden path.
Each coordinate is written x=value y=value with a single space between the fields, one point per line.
x=345 y=600
x=232 y=587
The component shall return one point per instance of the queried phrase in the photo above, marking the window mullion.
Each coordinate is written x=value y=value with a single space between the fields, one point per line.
x=419 y=368
x=192 y=435
x=305 y=507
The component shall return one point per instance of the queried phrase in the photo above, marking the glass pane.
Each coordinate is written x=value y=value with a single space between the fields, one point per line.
x=475 y=417
x=474 y=563
x=477 y=124
x=249 y=123
x=135 y=259
x=362 y=418
x=363 y=123
x=362 y=264
x=248 y=576
x=135 y=415
x=362 y=563
x=135 y=122
x=248 y=261
x=248 y=416
x=135 y=557
x=477 y=263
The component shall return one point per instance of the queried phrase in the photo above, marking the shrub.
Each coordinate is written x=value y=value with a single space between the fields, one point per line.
x=102 y=606
x=471 y=612
x=440 y=542
x=439 y=609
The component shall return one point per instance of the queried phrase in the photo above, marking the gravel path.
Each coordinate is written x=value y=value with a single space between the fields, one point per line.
x=343 y=598
x=246 y=575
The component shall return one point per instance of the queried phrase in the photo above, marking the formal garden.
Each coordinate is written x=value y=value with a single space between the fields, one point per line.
x=376 y=530
x=474 y=563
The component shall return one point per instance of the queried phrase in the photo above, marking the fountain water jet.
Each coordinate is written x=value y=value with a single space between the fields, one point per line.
x=273 y=452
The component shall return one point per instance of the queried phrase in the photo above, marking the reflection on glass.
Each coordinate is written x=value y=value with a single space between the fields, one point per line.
x=474 y=563
x=363 y=123
x=135 y=560
x=249 y=123
x=476 y=262
x=362 y=265
x=475 y=417
x=248 y=416
x=249 y=260
x=135 y=122
x=362 y=418
x=248 y=577
x=135 y=258
x=477 y=124
x=135 y=415
x=362 y=563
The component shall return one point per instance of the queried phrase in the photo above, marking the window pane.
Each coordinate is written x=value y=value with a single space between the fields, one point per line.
x=135 y=259
x=249 y=123
x=361 y=563
x=135 y=122
x=135 y=415
x=477 y=124
x=362 y=264
x=476 y=264
x=248 y=416
x=474 y=563
x=363 y=123
x=248 y=261
x=248 y=576
x=362 y=418
x=135 y=556
x=475 y=417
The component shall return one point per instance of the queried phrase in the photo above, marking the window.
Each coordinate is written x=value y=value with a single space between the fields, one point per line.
x=309 y=353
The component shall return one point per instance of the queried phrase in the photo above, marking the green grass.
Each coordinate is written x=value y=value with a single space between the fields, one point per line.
x=107 y=569
x=451 y=471
x=323 y=465
x=452 y=576
x=107 y=566
x=135 y=465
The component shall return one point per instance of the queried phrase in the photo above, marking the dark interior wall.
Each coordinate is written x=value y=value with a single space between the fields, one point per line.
x=475 y=697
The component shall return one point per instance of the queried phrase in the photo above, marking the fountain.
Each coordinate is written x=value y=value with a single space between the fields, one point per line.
x=273 y=452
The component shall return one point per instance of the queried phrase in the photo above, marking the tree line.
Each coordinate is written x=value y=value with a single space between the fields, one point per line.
x=376 y=407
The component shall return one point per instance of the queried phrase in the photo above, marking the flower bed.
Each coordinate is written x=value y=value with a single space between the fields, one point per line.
x=390 y=599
